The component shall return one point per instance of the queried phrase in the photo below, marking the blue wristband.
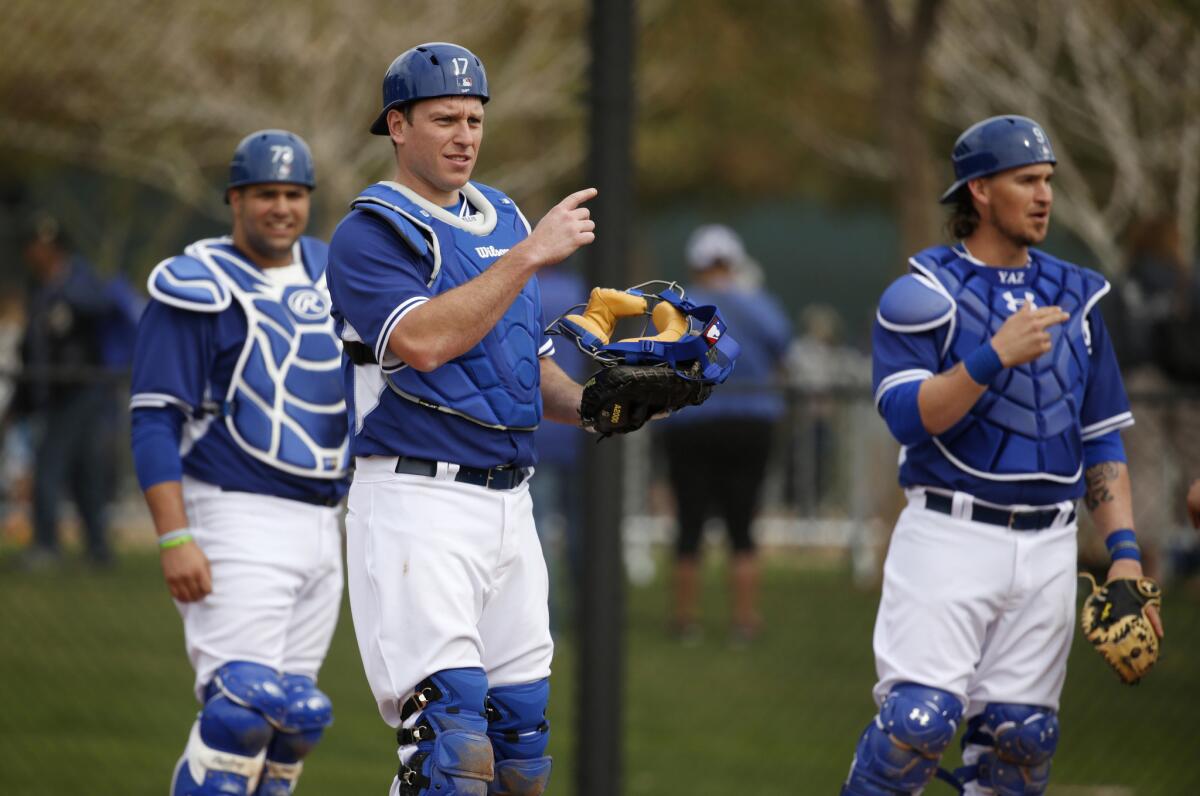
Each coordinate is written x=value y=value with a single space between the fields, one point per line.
x=983 y=364
x=1122 y=543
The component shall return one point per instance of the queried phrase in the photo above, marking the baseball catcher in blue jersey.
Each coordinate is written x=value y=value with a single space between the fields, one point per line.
x=994 y=370
x=240 y=443
x=448 y=371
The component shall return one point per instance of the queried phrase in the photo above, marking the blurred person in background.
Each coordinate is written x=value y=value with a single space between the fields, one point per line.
x=717 y=453
x=558 y=489
x=66 y=391
x=1156 y=335
x=1157 y=324
x=820 y=364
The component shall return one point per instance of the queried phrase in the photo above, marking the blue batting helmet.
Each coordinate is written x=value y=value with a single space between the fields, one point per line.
x=436 y=69
x=994 y=145
x=271 y=156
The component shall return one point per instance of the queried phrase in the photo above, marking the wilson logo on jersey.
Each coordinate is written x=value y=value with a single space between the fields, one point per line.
x=308 y=305
x=490 y=251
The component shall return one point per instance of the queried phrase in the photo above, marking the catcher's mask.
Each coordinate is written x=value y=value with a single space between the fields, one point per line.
x=685 y=334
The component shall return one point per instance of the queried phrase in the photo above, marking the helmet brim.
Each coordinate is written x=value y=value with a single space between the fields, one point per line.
x=380 y=125
x=952 y=192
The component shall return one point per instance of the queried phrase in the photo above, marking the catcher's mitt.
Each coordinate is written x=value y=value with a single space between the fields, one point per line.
x=622 y=398
x=1114 y=620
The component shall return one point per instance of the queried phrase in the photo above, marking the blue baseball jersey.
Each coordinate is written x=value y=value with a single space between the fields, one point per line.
x=391 y=254
x=1031 y=435
x=188 y=355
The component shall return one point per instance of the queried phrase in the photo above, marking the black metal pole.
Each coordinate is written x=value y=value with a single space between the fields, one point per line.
x=602 y=603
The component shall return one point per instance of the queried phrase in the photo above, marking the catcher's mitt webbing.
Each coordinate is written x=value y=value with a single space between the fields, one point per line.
x=1114 y=620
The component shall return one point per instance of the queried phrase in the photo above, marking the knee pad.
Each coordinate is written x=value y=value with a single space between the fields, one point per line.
x=517 y=720
x=519 y=732
x=309 y=712
x=228 y=743
x=446 y=720
x=1008 y=748
x=521 y=777
x=898 y=753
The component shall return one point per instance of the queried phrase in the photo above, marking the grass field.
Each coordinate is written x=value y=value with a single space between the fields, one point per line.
x=95 y=696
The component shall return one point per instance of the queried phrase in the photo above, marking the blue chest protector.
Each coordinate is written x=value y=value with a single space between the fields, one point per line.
x=1026 y=426
x=284 y=405
x=497 y=383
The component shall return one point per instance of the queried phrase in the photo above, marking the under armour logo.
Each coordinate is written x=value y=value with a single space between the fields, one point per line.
x=919 y=716
x=1013 y=303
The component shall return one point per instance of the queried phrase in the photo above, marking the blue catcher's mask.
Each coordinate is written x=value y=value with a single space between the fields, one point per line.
x=691 y=340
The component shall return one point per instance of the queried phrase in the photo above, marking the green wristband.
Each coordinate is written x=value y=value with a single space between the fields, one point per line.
x=174 y=539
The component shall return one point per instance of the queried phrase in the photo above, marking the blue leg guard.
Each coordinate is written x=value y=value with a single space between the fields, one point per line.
x=228 y=744
x=1008 y=748
x=899 y=751
x=445 y=719
x=309 y=712
x=519 y=731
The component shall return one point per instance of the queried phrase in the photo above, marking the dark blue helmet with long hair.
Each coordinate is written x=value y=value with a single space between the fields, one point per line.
x=436 y=69
x=271 y=156
x=994 y=145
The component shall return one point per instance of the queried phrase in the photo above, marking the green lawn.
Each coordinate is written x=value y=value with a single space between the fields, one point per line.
x=95 y=696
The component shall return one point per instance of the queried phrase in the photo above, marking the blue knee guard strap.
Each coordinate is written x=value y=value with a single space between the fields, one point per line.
x=899 y=751
x=454 y=755
x=309 y=712
x=1018 y=742
x=228 y=742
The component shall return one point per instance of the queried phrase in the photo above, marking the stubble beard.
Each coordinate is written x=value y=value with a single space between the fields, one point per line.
x=1024 y=236
x=265 y=249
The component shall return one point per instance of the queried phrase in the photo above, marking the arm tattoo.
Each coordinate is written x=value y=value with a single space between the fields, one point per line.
x=1098 y=480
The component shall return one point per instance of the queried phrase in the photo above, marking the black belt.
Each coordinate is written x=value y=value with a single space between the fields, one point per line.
x=505 y=476
x=312 y=500
x=1028 y=520
x=315 y=500
x=359 y=353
